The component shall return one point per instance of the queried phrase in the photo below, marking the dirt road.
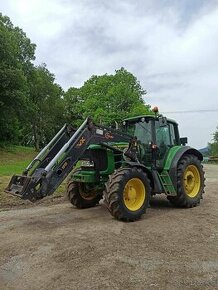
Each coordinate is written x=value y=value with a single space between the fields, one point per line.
x=60 y=247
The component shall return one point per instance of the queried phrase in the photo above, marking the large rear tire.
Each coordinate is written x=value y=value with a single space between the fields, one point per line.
x=80 y=197
x=190 y=182
x=127 y=194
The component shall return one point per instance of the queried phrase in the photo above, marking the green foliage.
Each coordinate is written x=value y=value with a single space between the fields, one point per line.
x=74 y=109
x=214 y=144
x=45 y=106
x=106 y=98
x=16 y=54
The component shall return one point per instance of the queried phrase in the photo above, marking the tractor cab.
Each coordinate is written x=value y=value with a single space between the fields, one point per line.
x=155 y=136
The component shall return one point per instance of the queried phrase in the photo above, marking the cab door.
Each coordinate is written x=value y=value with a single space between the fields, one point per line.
x=165 y=135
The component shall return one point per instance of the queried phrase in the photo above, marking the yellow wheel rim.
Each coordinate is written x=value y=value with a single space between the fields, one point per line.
x=134 y=194
x=191 y=181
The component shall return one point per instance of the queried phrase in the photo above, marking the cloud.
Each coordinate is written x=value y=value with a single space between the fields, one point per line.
x=171 y=46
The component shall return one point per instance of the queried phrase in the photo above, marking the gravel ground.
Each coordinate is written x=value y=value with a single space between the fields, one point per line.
x=60 y=247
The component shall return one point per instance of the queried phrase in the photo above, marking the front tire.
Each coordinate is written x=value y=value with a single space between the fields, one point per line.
x=190 y=182
x=127 y=193
x=80 y=197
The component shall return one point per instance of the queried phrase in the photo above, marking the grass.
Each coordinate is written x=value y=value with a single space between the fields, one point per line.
x=13 y=160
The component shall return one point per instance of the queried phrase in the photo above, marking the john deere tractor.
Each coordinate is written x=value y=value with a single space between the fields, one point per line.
x=124 y=167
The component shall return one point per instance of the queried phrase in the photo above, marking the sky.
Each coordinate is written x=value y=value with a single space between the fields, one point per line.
x=171 y=46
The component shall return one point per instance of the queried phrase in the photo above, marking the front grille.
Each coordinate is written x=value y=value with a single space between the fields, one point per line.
x=99 y=157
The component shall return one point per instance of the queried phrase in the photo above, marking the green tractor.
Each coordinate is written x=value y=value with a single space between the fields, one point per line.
x=125 y=168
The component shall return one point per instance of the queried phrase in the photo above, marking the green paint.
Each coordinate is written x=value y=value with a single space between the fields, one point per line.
x=170 y=156
x=141 y=116
x=95 y=146
x=85 y=176
x=149 y=116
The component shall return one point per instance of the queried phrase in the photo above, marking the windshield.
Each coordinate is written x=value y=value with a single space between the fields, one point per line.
x=142 y=130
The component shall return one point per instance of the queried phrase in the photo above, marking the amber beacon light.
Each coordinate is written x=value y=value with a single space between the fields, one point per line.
x=155 y=110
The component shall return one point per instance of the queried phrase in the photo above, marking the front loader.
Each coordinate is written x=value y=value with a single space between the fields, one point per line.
x=125 y=167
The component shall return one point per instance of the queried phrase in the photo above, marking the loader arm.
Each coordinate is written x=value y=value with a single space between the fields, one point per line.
x=53 y=164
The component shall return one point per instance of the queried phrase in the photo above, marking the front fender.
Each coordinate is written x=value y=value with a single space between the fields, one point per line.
x=152 y=175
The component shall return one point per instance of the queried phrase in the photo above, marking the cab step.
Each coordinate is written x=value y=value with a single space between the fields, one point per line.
x=167 y=183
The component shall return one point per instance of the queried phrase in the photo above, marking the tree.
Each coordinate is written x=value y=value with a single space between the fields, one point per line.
x=74 y=110
x=16 y=54
x=214 y=144
x=45 y=106
x=106 y=98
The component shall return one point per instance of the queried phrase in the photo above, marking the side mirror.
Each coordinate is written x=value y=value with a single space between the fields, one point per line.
x=184 y=141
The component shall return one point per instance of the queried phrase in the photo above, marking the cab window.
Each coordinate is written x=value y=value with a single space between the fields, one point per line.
x=163 y=136
x=172 y=134
x=142 y=130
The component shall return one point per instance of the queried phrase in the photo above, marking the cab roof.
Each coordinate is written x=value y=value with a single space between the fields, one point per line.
x=149 y=116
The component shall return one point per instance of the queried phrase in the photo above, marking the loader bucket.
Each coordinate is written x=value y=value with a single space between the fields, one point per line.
x=24 y=187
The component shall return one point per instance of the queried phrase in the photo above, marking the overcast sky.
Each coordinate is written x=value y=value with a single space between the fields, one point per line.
x=170 y=46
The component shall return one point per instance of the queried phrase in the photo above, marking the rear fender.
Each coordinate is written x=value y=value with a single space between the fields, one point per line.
x=171 y=167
